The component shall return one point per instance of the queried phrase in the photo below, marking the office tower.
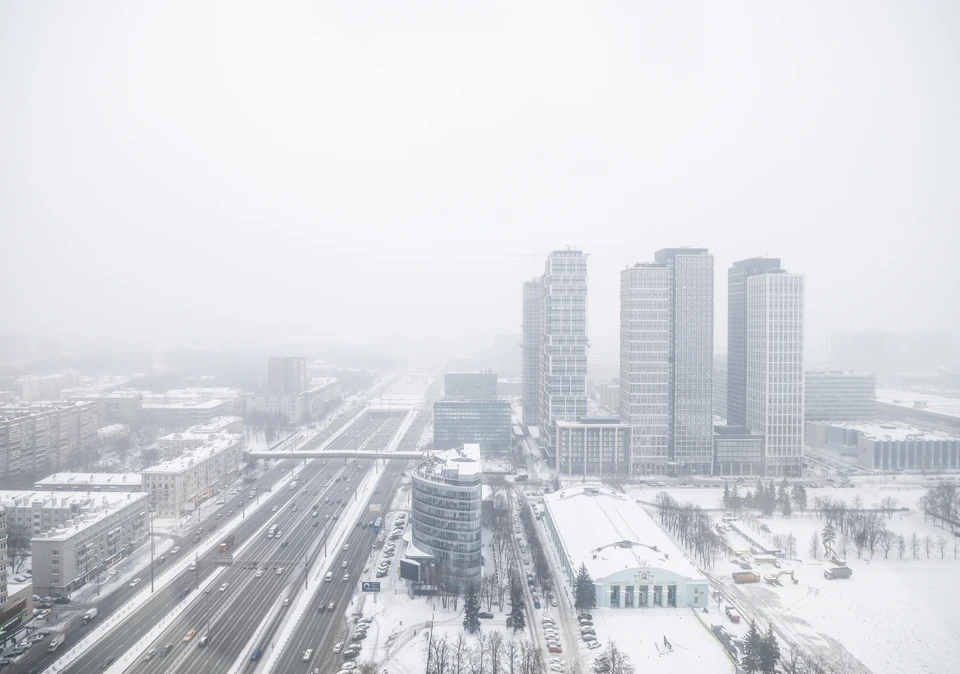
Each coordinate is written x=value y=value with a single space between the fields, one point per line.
x=286 y=374
x=563 y=352
x=774 y=372
x=666 y=361
x=737 y=277
x=531 y=351
x=720 y=385
x=470 y=385
x=839 y=395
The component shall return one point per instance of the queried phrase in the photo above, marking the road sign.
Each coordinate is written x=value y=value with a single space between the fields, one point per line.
x=370 y=586
x=376 y=508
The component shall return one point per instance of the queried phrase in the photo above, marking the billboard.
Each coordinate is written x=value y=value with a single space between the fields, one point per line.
x=370 y=586
x=411 y=570
x=376 y=508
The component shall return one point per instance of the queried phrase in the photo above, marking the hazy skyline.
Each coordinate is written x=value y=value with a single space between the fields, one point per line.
x=187 y=172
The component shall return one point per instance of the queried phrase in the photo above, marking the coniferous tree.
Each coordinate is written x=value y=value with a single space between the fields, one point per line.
x=751 y=647
x=769 y=652
x=585 y=593
x=471 y=610
x=726 y=496
x=516 y=620
x=828 y=537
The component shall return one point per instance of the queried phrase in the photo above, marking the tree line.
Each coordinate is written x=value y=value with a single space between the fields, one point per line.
x=692 y=526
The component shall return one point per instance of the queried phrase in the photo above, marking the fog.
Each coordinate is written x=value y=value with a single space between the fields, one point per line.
x=176 y=173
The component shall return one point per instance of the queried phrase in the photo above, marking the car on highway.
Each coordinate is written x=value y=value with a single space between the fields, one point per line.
x=166 y=649
x=134 y=582
x=343 y=565
x=189 y=635
x=273 y=509
x=316 y=523
x=106 y=663
x=346 y=577
x=337 y=647
x=255 y=655
x=258 y=573
x=175 y=550
x=150 y=654
x=307 y=654
x=332 y=605
x=223 y=588
x=279 y=571
x=346 y=546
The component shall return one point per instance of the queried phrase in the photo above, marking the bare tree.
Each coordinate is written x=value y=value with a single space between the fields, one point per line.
x=843 y=545
x=915 y=545
x=790 y=546
x=496 y=647
x=888 y=504
x=613 y=661
x=942 y=544
x=956 y=547
x=901 y=545
x=479 y=660
x=529 y=659
x=460 y=656
x=512 y=657
x=438 y=656
x=18 y=549
x=927 y=545
x=815 y=545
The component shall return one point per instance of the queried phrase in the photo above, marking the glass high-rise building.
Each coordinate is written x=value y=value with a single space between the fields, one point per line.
x=531 y=351
x=563 y=342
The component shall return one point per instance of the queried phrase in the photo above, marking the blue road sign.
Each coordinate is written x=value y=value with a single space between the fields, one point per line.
x=370 y=586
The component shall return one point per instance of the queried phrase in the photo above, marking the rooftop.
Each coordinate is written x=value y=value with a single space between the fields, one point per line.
x=597 y=526
x=195 y=405
x=26 y=409
x=458 y=463
x=89 y=519
x=931 y=402
x=890 y=430
x=194 y=456
x=22 y=498
x=592 y=421
x=92 y=480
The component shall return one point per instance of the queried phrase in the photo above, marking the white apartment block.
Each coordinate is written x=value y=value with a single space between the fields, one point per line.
x=32 y=512
x=297 y=407
x=68 y=557
x=112 y=407
x=563 y=342
x=48 y=387
x=173 y=445
x=176 y=487
x=41 y=438
x=774 y=372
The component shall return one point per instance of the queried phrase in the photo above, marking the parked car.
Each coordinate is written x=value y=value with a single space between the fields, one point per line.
x=486 y=616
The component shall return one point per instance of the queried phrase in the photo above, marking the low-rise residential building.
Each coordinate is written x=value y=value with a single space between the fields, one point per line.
x=593 y=446
x=68 y=557
x=112 y=407
x=632 y=561
x=445 y=507
x=176 y=487
x=41 y=438
x=3 y=565
x=839 y=395
x=47 y=387
x=485 y=422
x=296 y=407
x=737 y=451
x=882 y=445
x=32 y=512
x=90 y=482
x=173 y=445
x=181 y=415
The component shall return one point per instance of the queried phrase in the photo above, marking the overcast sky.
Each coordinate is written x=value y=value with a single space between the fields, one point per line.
x=178 y=171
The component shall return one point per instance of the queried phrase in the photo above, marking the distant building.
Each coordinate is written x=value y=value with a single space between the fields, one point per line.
x=610 y=396
x=48 y=387
x=920 y=408
x=593 y=446
x=720 y=386
x=90 y=482
x=737 y=451
x=296 y=407
x=634 y=564
x=470 y=385
x=181 y=415
x=178 y=486
x=445 y=507
x=485 y=423
x=4 y=566
x=41 y=438
x=532 y=333
x=113 y=407
x=890 y=352
x=286 y=374
x=563 y=342
x=511 y=387
x=840 y=395
x=31 y=513
x=887 y=445
x=507 y=355
x=68 y=557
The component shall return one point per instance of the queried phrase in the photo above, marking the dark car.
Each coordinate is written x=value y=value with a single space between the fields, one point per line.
x=255 y=655
x=485 y=616
x=166 y=649
x=62 y=600
x=106 y=663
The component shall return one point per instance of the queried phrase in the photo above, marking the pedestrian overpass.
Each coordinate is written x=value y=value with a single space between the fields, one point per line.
x=333 y=454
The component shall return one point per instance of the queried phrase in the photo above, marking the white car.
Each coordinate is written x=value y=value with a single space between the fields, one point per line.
x=307 y=654
x=337 y=647
x=223 y=588
x=258 y=573
x=175 y=550
x=346 y=546
x=280 y=571
x=346 y=576
x=134 y=582
x=273 y=509
x=343 y=565
x=593 y=644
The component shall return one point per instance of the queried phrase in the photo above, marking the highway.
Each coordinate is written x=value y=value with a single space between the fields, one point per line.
x=232 y=615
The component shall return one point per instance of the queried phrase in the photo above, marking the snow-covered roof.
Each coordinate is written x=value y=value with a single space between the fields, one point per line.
x=930 y=402
x=456 y=463
x=89 y=519
x=22 y=498
x=890 y=430
x=610 y=532
x=194 y=405
x=92 y=480
x=192 y=457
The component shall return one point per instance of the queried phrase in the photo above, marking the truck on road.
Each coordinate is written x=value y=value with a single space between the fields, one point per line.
x=731 y=613
x=227 y=542
x=837 y=573
x=89 y=615
x=746 y=577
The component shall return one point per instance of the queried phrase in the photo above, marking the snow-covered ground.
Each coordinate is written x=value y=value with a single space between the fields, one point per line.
x=640 y=632
x=889 y=617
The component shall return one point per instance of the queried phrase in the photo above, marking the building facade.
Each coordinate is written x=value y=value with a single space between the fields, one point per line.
x=90 y=482
x=178 y=486
x=4 y=566
x=737 y=451
x=286 y=374
x=181 y=415
x=609 y=396
x=593 y=447
x=174 y=444
x=445 y=507
x=890 y=446
x=633 y=563
x=124 y=407
x=720 y=386
x=482 y=422
x=563 y=353
x=840 y=395
x=47 y=387
x=737 y=276
x=42 y=438
x=67 y=558
x=531 y=351
x=666 y=361
x=296 y=407
x=775 y=315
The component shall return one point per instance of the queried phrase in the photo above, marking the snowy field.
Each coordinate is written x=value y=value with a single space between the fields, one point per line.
x=889 y=617
x=640 y=632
